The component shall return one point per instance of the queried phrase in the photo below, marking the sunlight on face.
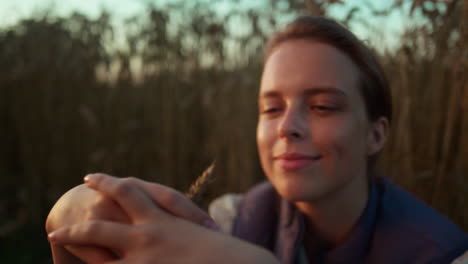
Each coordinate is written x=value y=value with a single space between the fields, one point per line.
x=312 y=129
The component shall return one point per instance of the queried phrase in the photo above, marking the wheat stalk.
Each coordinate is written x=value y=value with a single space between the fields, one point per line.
x=199 y=185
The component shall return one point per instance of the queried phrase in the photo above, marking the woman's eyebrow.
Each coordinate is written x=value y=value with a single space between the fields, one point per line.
x=308 y=92
x=269 y=94
x=324 y=90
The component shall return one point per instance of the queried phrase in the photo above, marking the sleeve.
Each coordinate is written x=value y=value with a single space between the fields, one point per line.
x=224 y=210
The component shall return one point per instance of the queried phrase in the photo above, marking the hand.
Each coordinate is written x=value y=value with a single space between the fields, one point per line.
x=76 y=206
x=83 y=204
x=153 y=234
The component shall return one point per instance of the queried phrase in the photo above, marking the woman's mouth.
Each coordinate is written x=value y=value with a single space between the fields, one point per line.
x=295 y=161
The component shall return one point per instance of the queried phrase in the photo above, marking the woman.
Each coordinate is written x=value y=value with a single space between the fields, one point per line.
x=324 y=117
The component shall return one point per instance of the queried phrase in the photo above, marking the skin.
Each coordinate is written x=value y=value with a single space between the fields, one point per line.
x=310 y=104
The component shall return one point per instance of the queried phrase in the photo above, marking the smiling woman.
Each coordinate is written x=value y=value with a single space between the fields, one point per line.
x=316 y=121
x=324 y=107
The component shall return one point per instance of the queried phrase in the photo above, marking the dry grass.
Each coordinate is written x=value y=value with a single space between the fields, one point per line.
x=427 y=151
x=199 y=186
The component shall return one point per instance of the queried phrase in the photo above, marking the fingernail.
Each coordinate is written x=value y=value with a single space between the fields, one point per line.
x=89 y=178
x=52 y=237
x=211 y=224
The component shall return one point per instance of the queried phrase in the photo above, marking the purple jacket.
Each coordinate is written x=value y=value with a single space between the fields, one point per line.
x=394 y=228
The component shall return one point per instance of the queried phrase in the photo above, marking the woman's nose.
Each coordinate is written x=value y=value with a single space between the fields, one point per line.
x=292 y=126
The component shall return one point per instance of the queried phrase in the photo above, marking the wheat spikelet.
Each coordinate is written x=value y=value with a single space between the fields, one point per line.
x=198 y=187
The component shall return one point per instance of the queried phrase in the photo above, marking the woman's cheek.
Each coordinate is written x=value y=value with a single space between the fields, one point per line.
x=345 y=139
x=265 y=141
x=334 y=136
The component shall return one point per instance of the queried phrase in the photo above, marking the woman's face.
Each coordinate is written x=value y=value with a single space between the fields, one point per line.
x=313 y=134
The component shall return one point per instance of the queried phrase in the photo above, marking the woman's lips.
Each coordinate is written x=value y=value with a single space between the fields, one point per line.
x=295 y=161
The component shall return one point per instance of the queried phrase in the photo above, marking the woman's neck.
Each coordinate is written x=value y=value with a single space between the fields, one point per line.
x=330 y=220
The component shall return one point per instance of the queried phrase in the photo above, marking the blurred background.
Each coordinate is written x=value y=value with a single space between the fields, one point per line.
x=159 y=89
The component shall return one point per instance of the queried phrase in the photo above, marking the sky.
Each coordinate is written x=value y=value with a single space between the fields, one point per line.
x=381 y=32
x=12 y=11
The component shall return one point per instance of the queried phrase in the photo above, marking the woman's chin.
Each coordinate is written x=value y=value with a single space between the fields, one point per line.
x=298 y=191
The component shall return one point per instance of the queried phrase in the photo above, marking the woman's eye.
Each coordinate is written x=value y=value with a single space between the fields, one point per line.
x=271 y=110
x=324 y=108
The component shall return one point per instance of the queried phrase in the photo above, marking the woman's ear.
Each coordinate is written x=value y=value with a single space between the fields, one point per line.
x=377 y=135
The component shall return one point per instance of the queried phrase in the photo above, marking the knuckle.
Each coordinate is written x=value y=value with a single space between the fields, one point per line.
x=66 y=231
x=91 y=228
x=148 y=236
x=94 y=215
x=122 y=188
x=169 y=199
x=69 y=231
x=98 y=207
x=99 y=178
x=126 y=180
x=91 y=215
x=131 y=179
x=100 y=200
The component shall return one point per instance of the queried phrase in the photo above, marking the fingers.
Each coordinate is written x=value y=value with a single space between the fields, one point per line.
x=91 y=254
x=175 y=203
x=164 y=197
x=133 y=201
x=98 y=233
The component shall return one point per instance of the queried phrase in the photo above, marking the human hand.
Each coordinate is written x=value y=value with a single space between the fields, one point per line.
x=83 y=204
x=78 y=205
x=153 y=234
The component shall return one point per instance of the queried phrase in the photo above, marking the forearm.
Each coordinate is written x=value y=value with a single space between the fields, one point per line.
x=234 y=251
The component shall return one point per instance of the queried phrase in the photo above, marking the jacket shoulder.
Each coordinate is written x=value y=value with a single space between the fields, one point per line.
x=407 y=225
